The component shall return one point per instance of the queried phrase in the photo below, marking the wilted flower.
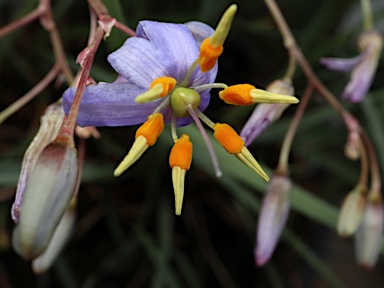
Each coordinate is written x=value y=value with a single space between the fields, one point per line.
x=272 y=218
x=265 y=114
x=165 y=75
x=50 y=187
x=51 y=122
x=352 y=211
x=363 y=67
x=370 y=234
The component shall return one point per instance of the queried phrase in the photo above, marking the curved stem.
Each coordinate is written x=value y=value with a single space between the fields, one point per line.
x=33 y=15
x=282 y=167
x=124 y=28
x=364 y=165
x=367 y=14
x=374 y=166
x=69 y=124
x=19 y=103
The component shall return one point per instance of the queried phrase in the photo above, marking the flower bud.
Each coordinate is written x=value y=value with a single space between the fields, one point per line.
x=50 y=188
x=51 y=122
x=352 y=211
x=265 y=114
x=272 y=218
x=369 y=235
x=57 y=243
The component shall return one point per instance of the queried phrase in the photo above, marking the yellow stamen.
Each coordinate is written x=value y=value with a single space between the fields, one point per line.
x=262 y=96
x=146 y=136
x=246 y=157
x=218 y=37
x=159 y=88
x=180 y=160
x=212 y=47
x=246 y=94
x=233 y=143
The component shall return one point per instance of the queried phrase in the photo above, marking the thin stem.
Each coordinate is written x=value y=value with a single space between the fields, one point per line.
x=291 y=45
x=374 y=166
x=69 y=124
x=187 y=77
x=209 y=86
x=291 y=67
x=49 y=24
x=33 y=15
x=367 y=14
x=363 y=180
x=173 y=128
x=124 y=28
x=23 y=100
x=282 y=167
x=196 y=115
x=205 y=119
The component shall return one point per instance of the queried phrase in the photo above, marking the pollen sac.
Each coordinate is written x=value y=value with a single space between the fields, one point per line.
x=183 y=97
x=159 y=88
x=209 y=55
x=180 y=161
x=233 y=143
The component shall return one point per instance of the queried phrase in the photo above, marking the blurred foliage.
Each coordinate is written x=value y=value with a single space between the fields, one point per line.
x=126 y=233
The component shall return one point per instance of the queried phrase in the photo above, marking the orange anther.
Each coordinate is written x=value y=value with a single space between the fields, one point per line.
x=181 y=153
x=168 y=84
x=209 y=55
x=237 y=94
x=152 y=128
x=228 y=138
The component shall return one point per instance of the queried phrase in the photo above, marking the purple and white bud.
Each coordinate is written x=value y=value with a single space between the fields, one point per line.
x=273 y=216
x=352 y=211
x=59 y=239
x=49 y=190
x=50 y=125
x=265 y=114
x=363 y=67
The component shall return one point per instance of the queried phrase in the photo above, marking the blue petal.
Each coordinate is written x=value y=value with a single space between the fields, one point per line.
x=339 y=64
x=138 y=62
x=174 y=44
x=199 y=30
x=110 y=104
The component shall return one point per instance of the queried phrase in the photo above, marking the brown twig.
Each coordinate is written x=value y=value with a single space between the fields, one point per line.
x=31 y=16
x=15 y=106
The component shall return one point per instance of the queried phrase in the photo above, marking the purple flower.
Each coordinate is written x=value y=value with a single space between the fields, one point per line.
x=265 y=114
x=363 y=66
x=157 y=50
x=272 y=218
x=165 y=75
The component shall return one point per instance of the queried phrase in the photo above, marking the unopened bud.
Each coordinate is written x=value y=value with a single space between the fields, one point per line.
x=369 y=235
x=352 y=211
x=49 y=190
x=51 y=122
x=57 y=243
x=273 y=216
x=265 y=114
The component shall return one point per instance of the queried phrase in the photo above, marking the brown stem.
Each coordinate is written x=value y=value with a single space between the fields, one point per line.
x=15 y=106
x=124 y=28
x=33 y=15
x=49 y=24
x=98 y=7
x=374 y=165
x=69 y=124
